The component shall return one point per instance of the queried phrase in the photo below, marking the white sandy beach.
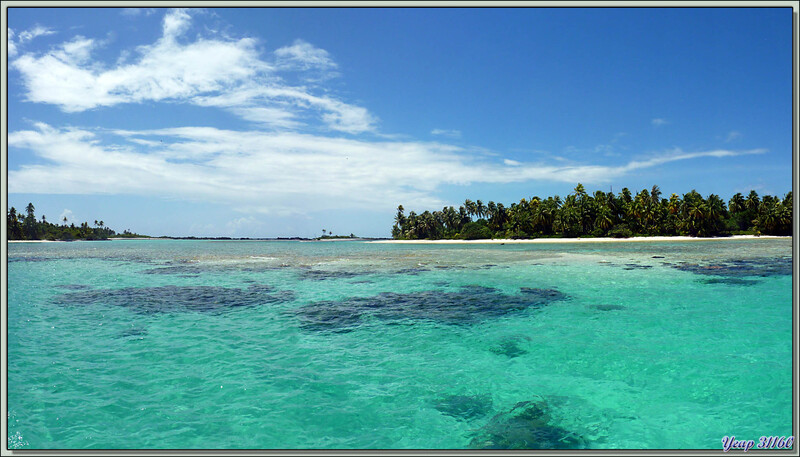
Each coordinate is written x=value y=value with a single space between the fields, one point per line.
x=585 y=240
x=508 y=241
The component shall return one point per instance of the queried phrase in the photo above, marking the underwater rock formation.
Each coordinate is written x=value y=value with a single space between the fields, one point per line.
x=167 y=299
x=526 y=426
x=737 y=268
x=465 y=407
x=608 y=307
x=509 y=347
x=468 y=305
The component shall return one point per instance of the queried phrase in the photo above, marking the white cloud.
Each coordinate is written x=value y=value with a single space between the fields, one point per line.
x=304 y=56
x=71 y=219
x=37 y=31
x=175 y=23
x=733 y=136
x=211 y=72
x=447 y=133
x=659 y=122
x=279 y=172
x=25 y=36
x=243 y=226
x=137 y=11
x=12 y=47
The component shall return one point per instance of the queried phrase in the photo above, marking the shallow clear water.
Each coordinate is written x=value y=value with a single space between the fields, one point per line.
x=282 y=345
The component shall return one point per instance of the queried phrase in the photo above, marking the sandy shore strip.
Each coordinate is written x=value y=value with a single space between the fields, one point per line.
x=586 y=240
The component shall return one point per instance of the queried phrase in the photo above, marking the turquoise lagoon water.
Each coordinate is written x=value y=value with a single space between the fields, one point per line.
x=354 y=345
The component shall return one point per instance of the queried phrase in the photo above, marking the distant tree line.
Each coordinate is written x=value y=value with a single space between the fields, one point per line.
x=27 y=227
x=602 y=214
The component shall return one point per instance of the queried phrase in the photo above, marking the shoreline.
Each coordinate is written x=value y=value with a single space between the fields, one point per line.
x=484 y=241
x=586 y=240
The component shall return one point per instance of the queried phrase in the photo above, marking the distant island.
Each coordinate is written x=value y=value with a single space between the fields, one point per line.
x=602 y=214
x=29 y=228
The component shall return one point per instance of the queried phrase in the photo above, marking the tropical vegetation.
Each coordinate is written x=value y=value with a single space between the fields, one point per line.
x=27 y=227
x=602 y=214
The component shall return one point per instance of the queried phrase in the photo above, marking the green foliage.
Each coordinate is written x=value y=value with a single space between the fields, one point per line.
x=603 y=214
x=476 y=231
x=620 y=231
x=28 y=228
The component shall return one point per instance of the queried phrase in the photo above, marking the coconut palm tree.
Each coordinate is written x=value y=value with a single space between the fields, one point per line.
x=752 y=202
x=736 y=203
x=480 y=210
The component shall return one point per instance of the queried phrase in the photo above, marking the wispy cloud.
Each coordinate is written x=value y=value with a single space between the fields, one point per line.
x=447 y=133
x=733 y=136
x=213 y=72
x=37 y=31
x=279 y=172
x=304 y=56
x=137 y=11
x=23 y=37
x=659 y=122
x=12 y=47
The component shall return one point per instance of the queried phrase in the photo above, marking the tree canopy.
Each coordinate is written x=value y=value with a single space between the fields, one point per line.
x=602 y=214
x=29 y=228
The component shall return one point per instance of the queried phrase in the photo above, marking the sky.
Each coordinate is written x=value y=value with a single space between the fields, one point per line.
x=277 y=122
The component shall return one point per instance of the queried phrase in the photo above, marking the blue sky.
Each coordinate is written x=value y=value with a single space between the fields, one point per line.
x=274 y=122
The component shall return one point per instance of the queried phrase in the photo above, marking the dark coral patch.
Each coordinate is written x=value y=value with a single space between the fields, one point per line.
x=608 y=307
x=468 y=305
x=411 y=271
x=29 y=259
x=731 y=281
x=133 y=333
x=168 y=299
x=737 y=268
x=508 y=347
x=74 y=286
x=528 y=425
x=464 y=407
x=192 y=269
x=636 y=266
x=322 y=275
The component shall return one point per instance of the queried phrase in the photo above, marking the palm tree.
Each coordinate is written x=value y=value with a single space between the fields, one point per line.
x=470 y=207
x=604 y=219
x=736 y=203
x=752 y=202
x=655 y=194
x=580 y=191
x=480 y=210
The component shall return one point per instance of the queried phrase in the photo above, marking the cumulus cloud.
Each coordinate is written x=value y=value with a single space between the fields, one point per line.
x=278 y=172
x=659 y=122
x=67 y=213
x=212 y=72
